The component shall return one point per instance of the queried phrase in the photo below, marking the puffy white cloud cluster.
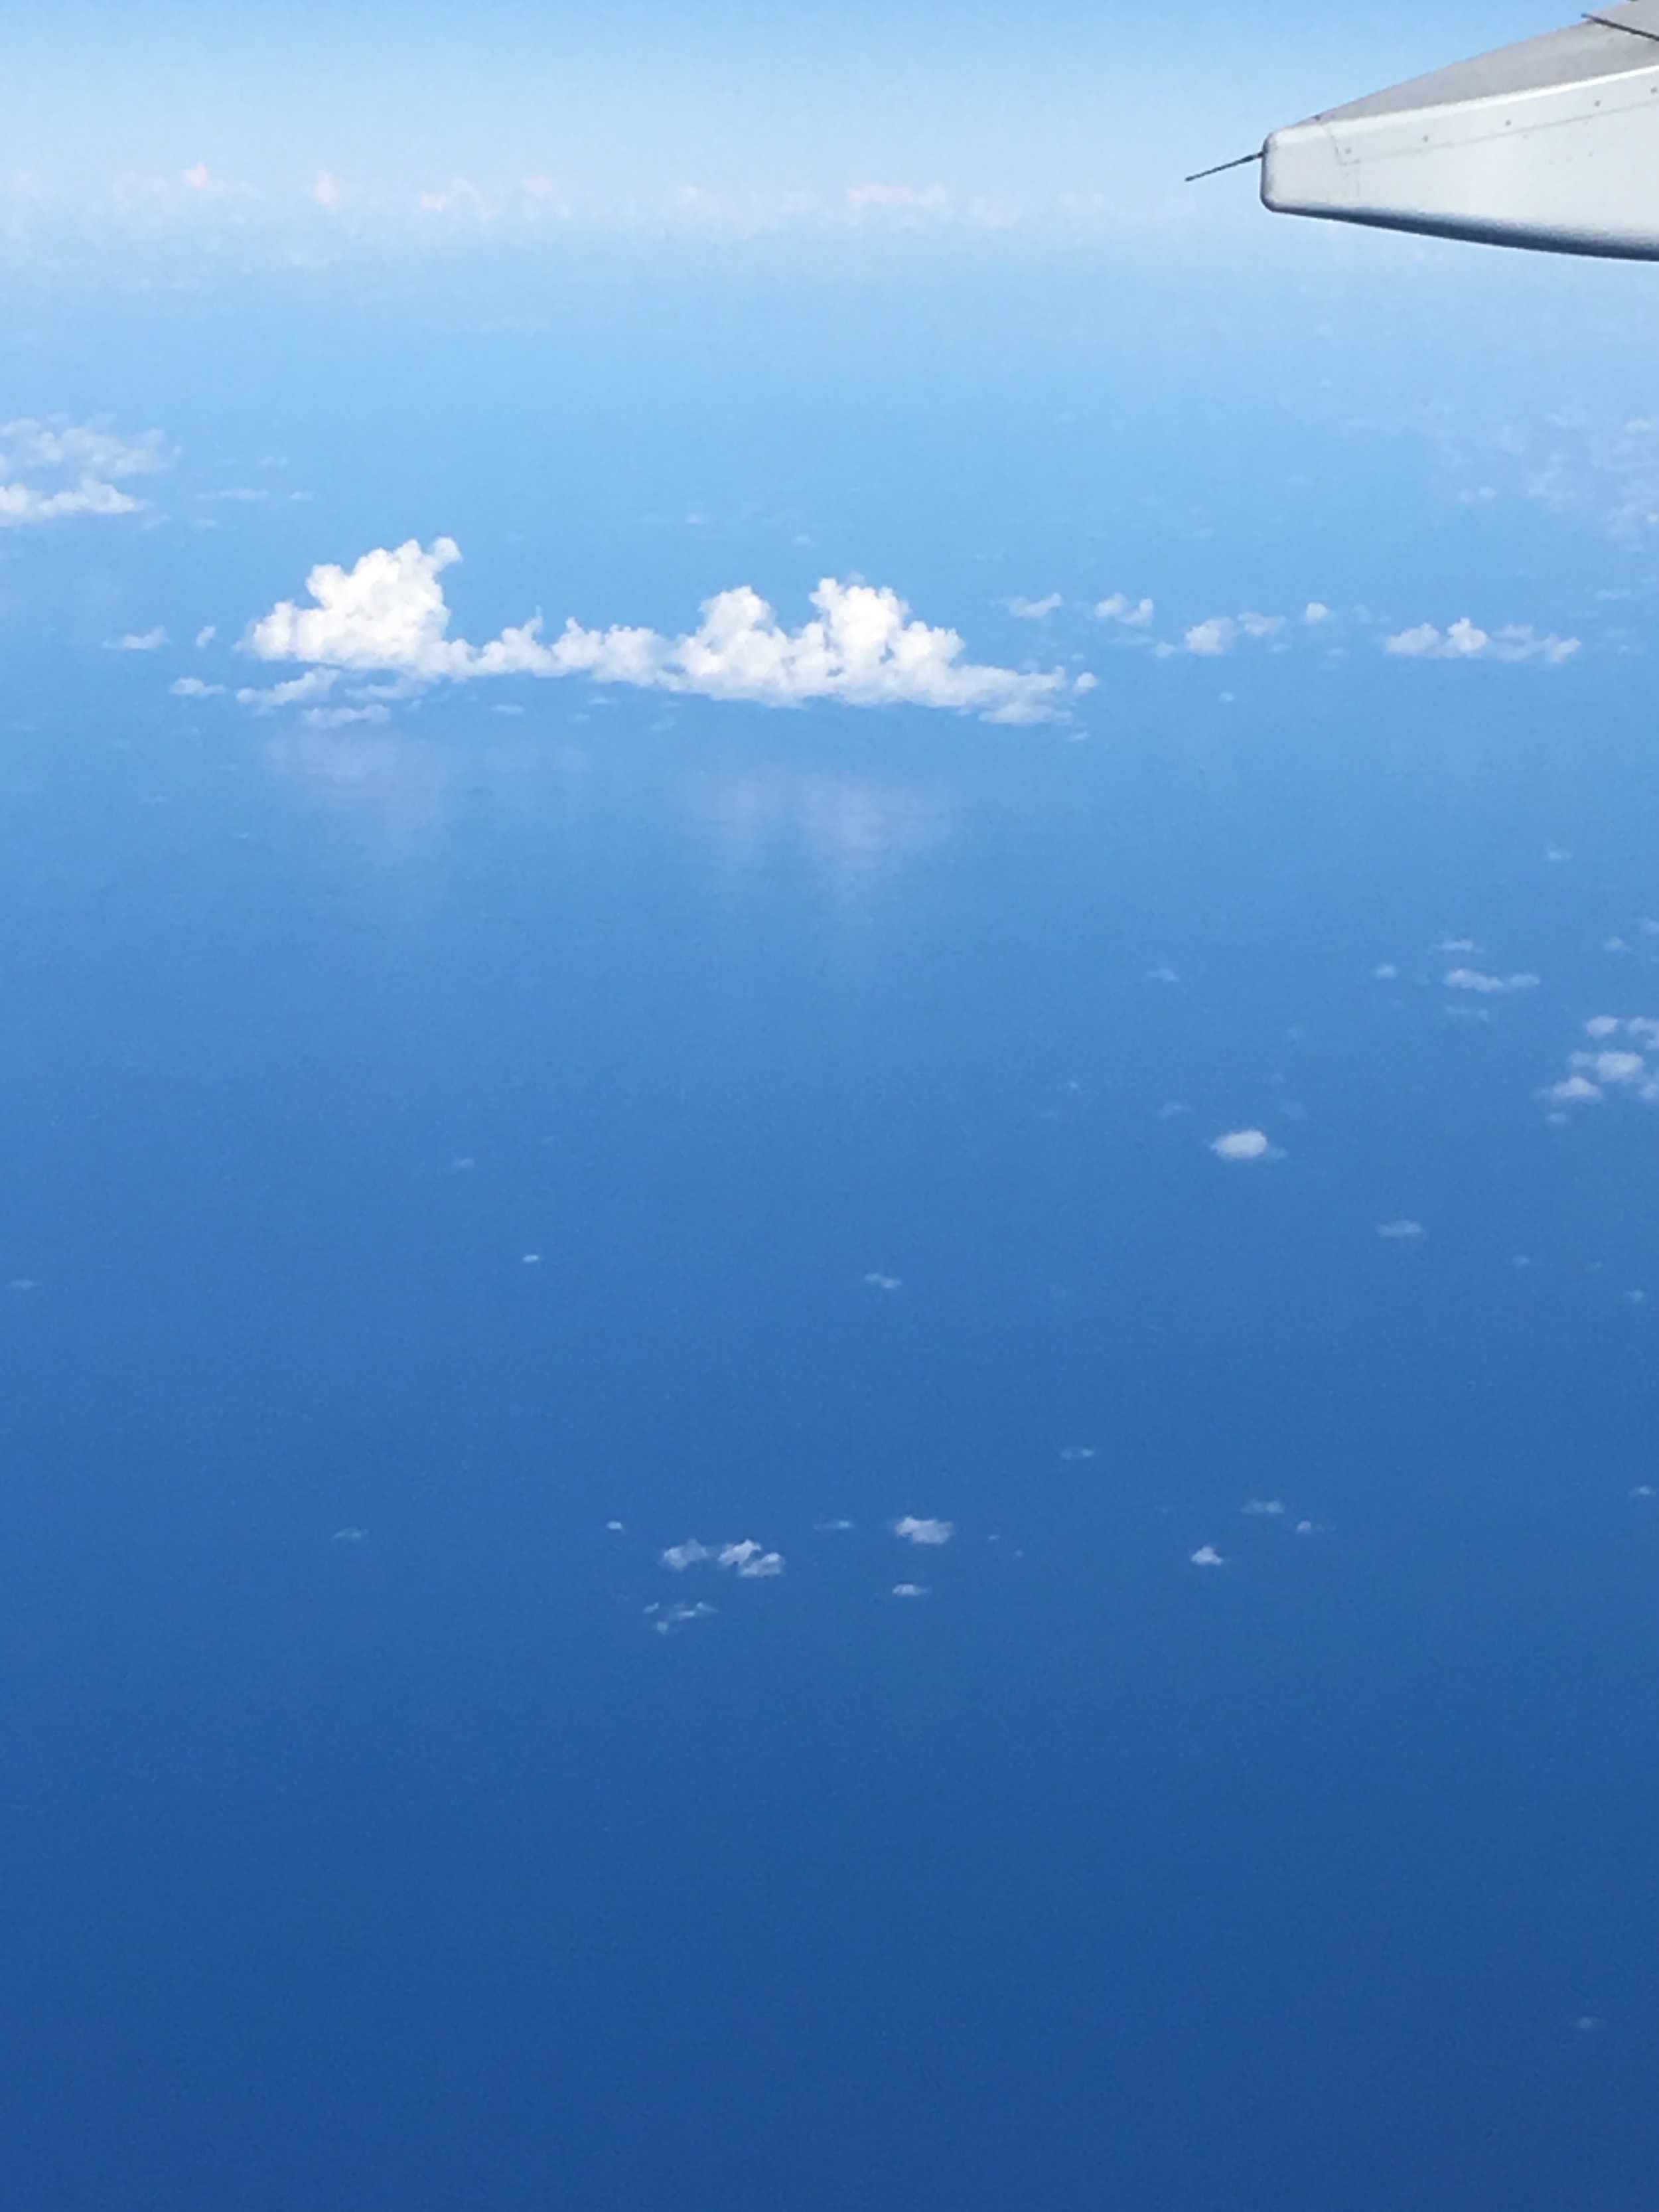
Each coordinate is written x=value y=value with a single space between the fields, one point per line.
x=1613 y=1067
x=749 y=1561
x=387 y=616
x=1463 y=640
x=1219 y=634
x=51 y=471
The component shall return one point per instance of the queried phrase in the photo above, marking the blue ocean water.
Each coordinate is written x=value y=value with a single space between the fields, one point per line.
x=448 y=1163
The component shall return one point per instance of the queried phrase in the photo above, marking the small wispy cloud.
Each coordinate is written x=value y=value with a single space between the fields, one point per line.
x=294 y=691
x=199 y=179
x=679 y=1557
x=1611 y=1069
x=1472 y=979
x=750 y=1561
x=916 y=1530
x=1464 y=640
x=459 y=197
x=149 y=641
x=51 y=471
x=666 y=1619
x=1130 y=614
x=1217 y=634
x=1572 y=1090
x=908 y=202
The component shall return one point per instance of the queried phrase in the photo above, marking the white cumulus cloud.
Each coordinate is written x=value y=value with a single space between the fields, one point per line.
x=388 y=616
x=916 y=1530
x=1242 y=1144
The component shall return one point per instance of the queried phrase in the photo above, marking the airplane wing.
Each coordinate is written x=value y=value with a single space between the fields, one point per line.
x=1552 y=142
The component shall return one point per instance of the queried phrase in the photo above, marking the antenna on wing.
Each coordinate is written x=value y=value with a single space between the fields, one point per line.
x=1241 y=163
x=1609 y=24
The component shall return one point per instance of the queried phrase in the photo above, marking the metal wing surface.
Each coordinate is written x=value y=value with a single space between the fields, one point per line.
x=1552 y=142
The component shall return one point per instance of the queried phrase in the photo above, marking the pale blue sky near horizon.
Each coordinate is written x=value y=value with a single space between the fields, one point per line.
x=617 y=113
